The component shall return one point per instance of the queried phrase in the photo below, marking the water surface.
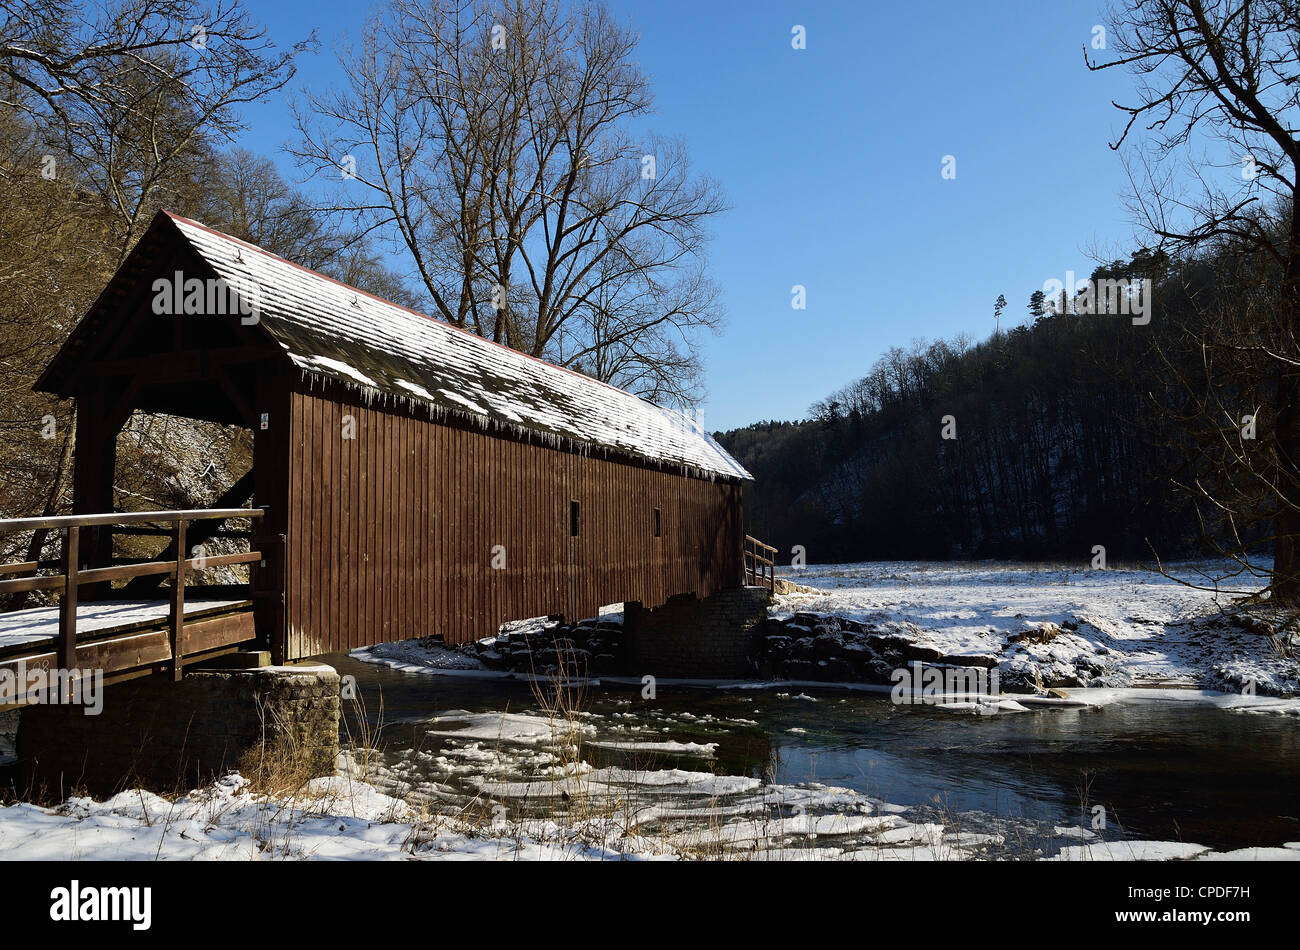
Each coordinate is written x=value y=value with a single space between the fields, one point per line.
x=1166 y=771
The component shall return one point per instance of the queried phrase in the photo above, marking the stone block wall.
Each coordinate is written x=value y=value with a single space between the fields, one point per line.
x=714 y=638
x=170 y=736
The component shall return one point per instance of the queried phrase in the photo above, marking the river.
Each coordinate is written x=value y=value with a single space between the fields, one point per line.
x=1161 y=771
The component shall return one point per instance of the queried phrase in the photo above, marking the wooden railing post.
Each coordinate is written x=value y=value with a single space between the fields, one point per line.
x=759 y=561
x=176 y=617
x=68 y=606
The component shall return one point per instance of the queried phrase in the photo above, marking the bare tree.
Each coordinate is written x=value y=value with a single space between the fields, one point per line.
x=245 y=195
x=126 y=90
x=493 y=148
x=1220 y=78
x=107 y=111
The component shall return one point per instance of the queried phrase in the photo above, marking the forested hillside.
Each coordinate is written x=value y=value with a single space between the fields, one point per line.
x=1068 y=431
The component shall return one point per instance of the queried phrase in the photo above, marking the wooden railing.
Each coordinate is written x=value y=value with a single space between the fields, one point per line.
x=71 y=575
x=760 y=564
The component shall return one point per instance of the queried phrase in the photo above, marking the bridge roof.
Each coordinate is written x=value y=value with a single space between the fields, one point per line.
x=386 y=352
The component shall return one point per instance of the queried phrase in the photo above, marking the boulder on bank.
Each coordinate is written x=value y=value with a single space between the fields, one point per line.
x=589 y=648
x=819 y=648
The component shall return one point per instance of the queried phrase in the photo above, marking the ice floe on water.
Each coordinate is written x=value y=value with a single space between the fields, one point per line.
x=648 y=798
x=1131 y=851
x=504 y=727
x=1232 y=702
x=668 y=747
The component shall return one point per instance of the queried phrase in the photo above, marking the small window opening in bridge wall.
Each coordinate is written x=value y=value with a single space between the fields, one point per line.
x=659 y=524
x=573 y=519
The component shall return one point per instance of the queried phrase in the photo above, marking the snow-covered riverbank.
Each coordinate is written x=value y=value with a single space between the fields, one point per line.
x=1121 y=627
x=333 y=818
x=1039 y=627
x=695 y=815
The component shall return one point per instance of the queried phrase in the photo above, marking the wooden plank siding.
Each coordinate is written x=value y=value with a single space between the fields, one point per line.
x=391 y=533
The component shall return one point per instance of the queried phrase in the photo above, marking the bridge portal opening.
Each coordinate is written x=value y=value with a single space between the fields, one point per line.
x=170 y=462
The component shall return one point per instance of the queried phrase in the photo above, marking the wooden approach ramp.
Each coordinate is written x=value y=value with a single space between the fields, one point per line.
x=119 y=638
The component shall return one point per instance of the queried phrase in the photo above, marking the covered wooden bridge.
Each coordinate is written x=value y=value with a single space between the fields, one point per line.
x=408 y=478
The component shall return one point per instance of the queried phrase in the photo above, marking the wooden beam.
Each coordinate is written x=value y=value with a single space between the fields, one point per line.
x=94 y=461
x=12 y=525
x=176 y=620
x=271 y=494
x=21 y=585
x=142 y=652
x=25 y=567
x=152 y=569
x=122 y=406
x=68 y=606
x=184 y=365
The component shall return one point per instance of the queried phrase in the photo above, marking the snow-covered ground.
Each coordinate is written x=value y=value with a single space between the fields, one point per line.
x=1107 y=628
x=594 y=814
x=333 y=818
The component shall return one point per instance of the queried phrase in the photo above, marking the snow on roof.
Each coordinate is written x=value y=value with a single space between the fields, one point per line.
x=332 y=331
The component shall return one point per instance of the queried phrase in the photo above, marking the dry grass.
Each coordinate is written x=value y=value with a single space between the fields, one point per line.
x=563 y=699
x=279 y=765
x=364 y=743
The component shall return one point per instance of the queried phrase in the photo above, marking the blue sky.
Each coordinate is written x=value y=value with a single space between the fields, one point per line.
x=831 y=158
